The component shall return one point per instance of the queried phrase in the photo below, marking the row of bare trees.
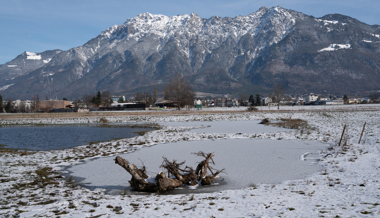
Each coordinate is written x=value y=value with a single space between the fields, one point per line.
x=147 y=97
x=144 y=98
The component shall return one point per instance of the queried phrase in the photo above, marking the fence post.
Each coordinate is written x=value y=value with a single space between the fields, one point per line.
x=342 y=134
x=362 y=133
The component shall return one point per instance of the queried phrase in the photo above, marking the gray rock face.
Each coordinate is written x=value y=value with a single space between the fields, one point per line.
x=334 y=54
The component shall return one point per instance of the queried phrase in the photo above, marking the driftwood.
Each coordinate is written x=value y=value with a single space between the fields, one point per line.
x=176 y=176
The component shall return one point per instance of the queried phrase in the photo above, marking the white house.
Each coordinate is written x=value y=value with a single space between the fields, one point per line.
x=265 y=101
x=117 y=97
x=311 y=98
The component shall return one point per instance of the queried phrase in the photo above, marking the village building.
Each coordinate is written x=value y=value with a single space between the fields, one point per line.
x=50 y=104
x=299 y=101
x=116 y=98
x=266 y=101
x=165 y=103
x=337 y=101
x=225 y=102
x=311 y=98
x=354 y=101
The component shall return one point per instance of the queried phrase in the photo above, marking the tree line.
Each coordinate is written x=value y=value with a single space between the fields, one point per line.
x=255 y=101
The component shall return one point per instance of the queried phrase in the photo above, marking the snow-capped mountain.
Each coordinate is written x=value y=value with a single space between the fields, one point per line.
x=334 y=54
x=25 y=63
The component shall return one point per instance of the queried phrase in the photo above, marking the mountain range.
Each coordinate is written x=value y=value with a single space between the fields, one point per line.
x=334 y=54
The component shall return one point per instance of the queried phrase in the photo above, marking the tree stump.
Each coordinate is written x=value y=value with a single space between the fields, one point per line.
x=186 y=176
x=265 y=121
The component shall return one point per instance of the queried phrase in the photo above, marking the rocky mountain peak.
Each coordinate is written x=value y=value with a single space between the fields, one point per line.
x=217 y=54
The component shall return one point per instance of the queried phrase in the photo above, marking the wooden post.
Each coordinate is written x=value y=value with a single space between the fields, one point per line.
x=362 y=133
x=342 y=134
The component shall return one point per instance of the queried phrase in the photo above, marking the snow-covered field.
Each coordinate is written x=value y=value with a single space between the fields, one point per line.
x=348 y=185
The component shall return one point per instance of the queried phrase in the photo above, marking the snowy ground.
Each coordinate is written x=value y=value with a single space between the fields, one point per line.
x=348 y=185
x=265 y=160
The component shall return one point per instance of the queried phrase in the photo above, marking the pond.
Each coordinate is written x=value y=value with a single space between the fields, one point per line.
x=246 y=162
x=54 y=137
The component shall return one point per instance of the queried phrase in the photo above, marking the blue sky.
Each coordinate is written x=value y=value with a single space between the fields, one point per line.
x=41 y=25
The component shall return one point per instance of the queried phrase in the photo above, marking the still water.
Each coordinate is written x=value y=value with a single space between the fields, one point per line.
x=43 y=138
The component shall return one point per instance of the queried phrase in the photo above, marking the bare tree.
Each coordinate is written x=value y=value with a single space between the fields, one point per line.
x=138 y=97
x=178 y=89
x=50 y=105
x=35 y=104
x=21 y=107
x=147 y=98
x=242 y=99
x=155 y=94
x=87 y=100
x=278 y=90
x=1 y=104
x=106 y=98
x=375 y=97
x=78 y=103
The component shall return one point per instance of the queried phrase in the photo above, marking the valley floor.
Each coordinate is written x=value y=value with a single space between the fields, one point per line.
x=348 y=186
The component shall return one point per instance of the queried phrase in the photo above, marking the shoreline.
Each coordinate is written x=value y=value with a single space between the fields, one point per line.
x=193 y=111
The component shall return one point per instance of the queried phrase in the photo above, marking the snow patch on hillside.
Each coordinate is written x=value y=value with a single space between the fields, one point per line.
x=5 y=87
x=336 y=47
x=327 y=22
x=47 y=61
x=11 y=65
x=32 y=56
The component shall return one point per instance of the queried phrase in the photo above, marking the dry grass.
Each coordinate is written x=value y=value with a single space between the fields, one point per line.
x=103 y=120
x=15 y=151
x=292 y=124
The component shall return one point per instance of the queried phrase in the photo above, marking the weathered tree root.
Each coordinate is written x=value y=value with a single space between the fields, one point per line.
x=185 y=176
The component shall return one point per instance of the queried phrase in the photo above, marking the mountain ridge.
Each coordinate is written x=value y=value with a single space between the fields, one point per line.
x=217 y=55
